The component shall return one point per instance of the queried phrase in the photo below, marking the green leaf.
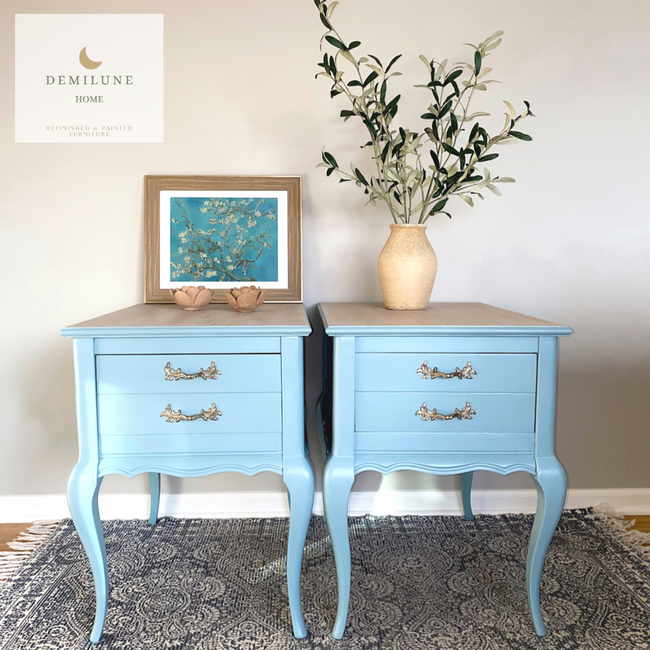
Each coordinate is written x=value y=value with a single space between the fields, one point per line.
x=489 y=156
x=360 y=176
x=353 y=45
x=370 y=127
x=496 y=34
x=429 y=116
x=454 y=75
x=438 y=206
x=370 y=78
x=520 y=136
x=374 y=58
x=354 y=82
x=436 y=160
x=347 y=55
x=493 y=46
x=475 y=115
x=390 y=65
x=329 y=158
x=449 y=149
x=382 y=93
x=325 y=21
x=477 y=62
x=346 y=113
x=446 y=108
x=332 y=6
x=335 y=42
x=393 y=103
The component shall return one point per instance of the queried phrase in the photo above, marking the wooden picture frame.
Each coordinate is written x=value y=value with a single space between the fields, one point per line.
x=223 y=232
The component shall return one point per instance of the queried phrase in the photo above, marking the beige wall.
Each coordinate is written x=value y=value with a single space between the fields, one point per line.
x=569 y=242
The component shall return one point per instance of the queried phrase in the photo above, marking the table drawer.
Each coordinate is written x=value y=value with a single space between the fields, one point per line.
x=188 y=444
x=144 y=414
x=493 y=412
x=121 y=374
x=470 y=373
x=445 y=442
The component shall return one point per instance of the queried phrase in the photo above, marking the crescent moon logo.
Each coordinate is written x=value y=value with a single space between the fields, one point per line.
x=86 y=62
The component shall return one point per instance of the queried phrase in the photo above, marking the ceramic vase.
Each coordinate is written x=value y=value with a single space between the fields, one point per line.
x=407 y=267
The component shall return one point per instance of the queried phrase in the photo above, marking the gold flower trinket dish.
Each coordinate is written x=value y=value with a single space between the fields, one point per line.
x=246 y=299
x=192 y=298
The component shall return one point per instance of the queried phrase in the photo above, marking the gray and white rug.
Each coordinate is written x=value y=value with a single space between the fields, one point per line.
x=417 y=583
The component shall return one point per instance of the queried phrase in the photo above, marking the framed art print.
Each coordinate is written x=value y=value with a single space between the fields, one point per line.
x=223 y=232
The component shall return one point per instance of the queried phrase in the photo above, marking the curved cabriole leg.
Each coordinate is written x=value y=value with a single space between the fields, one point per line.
x=83 y=490
x=466 y=487
x=337 y=483
x=154 y=490
x=551 y=494
x=320 y=426
x=299 y=479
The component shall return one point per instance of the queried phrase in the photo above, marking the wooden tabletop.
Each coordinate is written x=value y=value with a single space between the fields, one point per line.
x=161 y=320
x=341 y=318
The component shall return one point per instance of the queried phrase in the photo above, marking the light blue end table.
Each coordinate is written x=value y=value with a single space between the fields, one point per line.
x=164 y=391
x=455 y=388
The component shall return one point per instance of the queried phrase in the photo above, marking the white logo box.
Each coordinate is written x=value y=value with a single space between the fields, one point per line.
x=120 y=100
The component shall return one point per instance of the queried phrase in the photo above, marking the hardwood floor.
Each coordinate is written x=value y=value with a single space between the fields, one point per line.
x=642 y=523
x=9 y=532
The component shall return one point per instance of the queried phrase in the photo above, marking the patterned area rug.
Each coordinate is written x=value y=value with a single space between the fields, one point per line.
x=417 y=583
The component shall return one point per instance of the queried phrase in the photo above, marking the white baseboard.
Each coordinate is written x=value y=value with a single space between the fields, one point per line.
x=274 y=504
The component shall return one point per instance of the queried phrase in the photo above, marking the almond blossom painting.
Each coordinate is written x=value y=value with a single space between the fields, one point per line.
x=214 y=239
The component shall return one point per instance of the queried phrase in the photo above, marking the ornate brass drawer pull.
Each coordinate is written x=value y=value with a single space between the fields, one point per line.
x=177 y=416
x=432 y=373
x=462 y=414
x=171 y=374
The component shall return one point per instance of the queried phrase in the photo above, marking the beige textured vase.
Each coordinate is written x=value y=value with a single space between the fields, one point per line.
x=407 y=267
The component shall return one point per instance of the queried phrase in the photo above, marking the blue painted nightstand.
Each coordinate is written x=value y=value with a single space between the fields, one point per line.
x=164 y=391
x=452 y=389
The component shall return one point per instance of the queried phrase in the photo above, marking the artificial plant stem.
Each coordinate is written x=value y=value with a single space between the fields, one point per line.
x=364 y=106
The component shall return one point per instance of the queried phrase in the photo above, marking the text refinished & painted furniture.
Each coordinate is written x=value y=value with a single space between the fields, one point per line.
x=455 y=388
x=165 y=391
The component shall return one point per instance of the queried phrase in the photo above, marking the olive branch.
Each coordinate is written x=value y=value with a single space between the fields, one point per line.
x=405 y=179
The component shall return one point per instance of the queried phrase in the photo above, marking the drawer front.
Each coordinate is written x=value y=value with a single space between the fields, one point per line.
x=493 y=412
x=469 y=373
x=188 y=444
x=188 y=373
x=445 y=442
x=441 y=344
x=141 y=414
